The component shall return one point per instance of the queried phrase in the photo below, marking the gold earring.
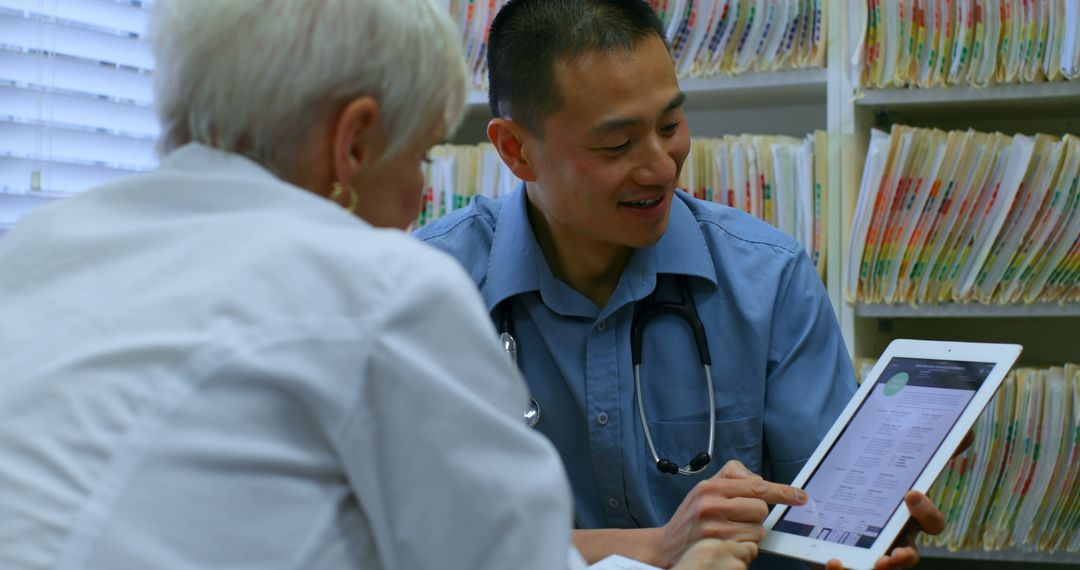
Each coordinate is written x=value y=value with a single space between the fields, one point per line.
x=336 y=190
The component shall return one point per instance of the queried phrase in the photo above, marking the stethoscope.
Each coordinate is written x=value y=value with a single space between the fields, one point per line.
x=646 y=310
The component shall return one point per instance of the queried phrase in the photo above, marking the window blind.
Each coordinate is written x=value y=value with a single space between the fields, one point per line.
x=76 y=98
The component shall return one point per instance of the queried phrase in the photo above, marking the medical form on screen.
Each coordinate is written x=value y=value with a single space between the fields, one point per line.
x=881 y=452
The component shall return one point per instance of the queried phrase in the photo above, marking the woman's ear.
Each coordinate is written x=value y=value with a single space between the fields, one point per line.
x=511 y=142
x=356 y=140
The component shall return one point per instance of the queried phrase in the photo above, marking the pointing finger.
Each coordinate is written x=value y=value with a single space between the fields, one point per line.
x=734 y=469
x=773 y=493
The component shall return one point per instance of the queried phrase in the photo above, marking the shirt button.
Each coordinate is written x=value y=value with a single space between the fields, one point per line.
x=602 y=418
x=600 y=326
x=614 y=503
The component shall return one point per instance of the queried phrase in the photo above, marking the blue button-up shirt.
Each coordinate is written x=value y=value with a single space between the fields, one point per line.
x=779 y=365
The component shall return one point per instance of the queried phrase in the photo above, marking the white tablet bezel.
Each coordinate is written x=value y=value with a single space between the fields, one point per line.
x=855 y=558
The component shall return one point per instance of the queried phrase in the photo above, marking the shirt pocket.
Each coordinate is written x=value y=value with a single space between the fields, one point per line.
x=680 y=441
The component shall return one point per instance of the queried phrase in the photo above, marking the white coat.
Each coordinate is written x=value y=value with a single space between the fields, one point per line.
x=206 y=367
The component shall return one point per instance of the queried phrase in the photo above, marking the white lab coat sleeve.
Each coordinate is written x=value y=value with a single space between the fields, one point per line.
x=437 y=451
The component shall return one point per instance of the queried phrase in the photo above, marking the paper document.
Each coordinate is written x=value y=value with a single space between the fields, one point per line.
x=616 y=562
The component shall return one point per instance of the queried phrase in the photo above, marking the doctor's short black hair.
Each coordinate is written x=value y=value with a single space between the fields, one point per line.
x=527 y=37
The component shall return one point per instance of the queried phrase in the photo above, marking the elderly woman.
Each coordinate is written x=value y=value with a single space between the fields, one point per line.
x=227 y=363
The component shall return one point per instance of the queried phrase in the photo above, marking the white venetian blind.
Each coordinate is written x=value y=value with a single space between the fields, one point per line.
x=75 y=98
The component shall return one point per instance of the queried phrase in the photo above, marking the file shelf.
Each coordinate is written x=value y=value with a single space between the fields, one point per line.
x=1050 y=332
x=1036 y=108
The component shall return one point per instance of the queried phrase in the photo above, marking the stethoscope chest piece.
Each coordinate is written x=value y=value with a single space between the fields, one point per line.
x=532 y=414
x=509 y=344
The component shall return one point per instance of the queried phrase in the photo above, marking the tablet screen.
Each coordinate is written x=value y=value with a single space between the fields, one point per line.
x=862 y=479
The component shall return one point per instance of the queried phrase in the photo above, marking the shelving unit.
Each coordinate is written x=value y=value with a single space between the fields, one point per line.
x=1050 y=332
x=1052 y=108
x=1049 y=108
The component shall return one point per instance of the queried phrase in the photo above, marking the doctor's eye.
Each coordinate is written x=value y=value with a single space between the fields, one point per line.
x=617 y=149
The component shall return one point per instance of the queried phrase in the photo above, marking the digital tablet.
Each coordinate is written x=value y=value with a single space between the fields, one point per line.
x=899 y=430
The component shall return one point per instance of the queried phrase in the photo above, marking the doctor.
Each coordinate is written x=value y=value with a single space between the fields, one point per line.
x=599 y=273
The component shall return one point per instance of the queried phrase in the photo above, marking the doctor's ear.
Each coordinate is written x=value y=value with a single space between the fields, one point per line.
x=509 y=139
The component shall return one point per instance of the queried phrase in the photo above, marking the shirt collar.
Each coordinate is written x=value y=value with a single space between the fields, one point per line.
x=516 y=264
x=682 y=250
x=198 y=157
x=251 y=184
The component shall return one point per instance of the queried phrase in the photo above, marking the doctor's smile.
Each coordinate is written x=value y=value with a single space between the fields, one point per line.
x=649 y=208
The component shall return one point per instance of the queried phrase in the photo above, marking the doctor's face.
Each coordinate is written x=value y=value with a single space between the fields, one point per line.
x=609 y=159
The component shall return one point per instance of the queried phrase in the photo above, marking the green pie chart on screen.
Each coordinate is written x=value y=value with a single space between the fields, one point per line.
x=896 y=383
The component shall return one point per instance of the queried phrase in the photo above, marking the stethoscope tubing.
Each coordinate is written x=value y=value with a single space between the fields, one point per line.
x=643 y=313
x=687 y=469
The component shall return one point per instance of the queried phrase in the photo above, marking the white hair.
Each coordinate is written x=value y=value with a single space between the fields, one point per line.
x=258 y=77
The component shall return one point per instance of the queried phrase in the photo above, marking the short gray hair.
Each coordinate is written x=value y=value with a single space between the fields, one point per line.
x=258 y=77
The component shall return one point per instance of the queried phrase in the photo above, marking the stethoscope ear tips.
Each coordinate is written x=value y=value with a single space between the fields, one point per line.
x=666 y=466
x=696 y=464
x=700 y=461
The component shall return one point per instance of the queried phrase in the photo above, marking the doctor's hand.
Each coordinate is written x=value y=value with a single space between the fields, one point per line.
x=714 y=554
x=731 y=505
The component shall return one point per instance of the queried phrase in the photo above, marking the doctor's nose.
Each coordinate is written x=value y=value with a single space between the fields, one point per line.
x=658 y=167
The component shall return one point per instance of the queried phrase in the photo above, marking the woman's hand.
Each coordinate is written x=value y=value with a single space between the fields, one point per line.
x=715 y=554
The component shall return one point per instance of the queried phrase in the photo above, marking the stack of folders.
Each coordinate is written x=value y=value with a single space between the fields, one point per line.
x=1018 y=485
x=965 y=216
x=707 y=36
x=735 y=36
x=929 y=43
x=456 y=173
x=778 y=179
x=473 y=18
